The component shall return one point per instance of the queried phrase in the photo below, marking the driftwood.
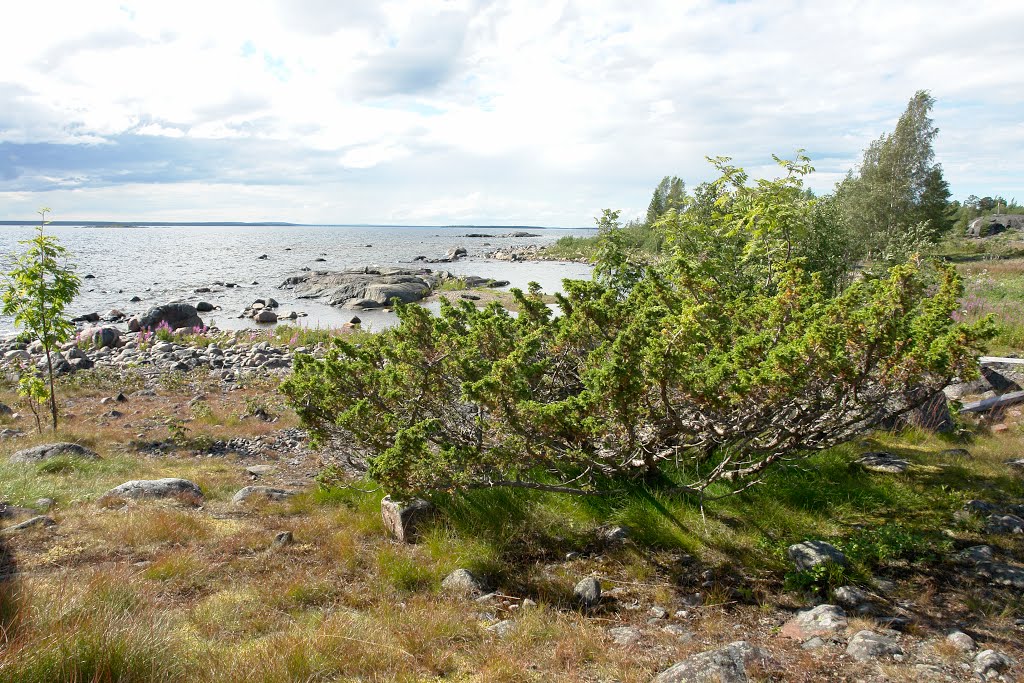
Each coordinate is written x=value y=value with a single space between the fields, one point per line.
x=996 y=360
x=988 y=404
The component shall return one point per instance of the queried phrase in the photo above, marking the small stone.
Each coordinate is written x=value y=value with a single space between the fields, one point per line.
x=961 y=641
x=264 y=492
x=502 y=628
x=693 y=599
x=658 y=612
x=528 y=603
x=625 y=635
x=612 y=535
x=588 y=592
x=822 y=620
x=813 y=644
x=678 y=631
x=45 y=504
x=812 y=553
x=462 y=582
x=851 y=597
x=867 y=645
x=282 y=539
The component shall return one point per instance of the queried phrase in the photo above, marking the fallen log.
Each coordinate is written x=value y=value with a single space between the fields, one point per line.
x=996 y=360
x=988 y=404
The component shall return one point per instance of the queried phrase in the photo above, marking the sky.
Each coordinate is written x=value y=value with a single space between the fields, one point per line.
x=418 y=112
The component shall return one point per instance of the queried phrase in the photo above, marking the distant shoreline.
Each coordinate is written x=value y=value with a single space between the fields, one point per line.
x=273 y=224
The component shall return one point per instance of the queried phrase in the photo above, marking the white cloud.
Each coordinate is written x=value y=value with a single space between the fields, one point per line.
x=438 y=111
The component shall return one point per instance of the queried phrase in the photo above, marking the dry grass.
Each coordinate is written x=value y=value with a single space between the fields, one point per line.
x=145 y=591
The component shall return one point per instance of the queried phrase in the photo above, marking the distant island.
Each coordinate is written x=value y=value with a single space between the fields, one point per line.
x=172 y=224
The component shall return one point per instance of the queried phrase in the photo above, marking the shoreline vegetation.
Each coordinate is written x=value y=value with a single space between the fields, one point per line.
x=219 y=506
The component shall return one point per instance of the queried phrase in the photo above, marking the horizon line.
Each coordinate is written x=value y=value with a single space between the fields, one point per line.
x=138 y=224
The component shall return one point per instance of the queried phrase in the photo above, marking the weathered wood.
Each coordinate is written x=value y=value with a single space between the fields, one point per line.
x=995 y=360
x=996 y=402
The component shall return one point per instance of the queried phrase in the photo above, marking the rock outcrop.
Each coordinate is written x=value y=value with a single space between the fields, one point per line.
x=358 y=288
x=53 y=450
x=176 y=315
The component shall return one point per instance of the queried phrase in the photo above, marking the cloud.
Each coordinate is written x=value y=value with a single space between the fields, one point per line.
x=501 y=111
x=423 y=57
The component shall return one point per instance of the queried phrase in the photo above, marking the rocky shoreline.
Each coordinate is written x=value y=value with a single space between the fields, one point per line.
x=157 y=339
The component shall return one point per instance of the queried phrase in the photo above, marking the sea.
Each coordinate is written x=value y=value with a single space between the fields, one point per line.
x=159 y=264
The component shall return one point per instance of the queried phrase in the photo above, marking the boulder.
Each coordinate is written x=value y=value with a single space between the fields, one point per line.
x=961 y=641
x=1005 y=524
x=263 y=492
x=464 y=583
x=989 y=663
x=613 y=535
x=812 y=553
x=204 y=307
x=53 y=450
x=407 y=292
x=588 y=592
x=868 y=645
x=265 y=316
x=177 y=315
x=101 y=337
x=851 y=597
x=883 y=461
x=730 y=664
x=157 y=488
x=404 y=519
x=823 y=620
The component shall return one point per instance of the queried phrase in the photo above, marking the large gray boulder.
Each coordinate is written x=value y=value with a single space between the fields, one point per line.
x=363 y=287
x=812 y=553
x=176 y=315
x=406 y=292
x=54 y=450
x=157 y=488
x=730 y=664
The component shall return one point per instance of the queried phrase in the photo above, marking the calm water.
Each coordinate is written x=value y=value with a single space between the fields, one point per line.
x=161 y=264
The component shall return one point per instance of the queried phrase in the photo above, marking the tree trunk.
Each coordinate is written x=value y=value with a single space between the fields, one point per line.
x=53 y=396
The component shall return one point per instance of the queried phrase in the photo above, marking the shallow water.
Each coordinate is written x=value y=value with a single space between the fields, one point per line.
x=161 y=264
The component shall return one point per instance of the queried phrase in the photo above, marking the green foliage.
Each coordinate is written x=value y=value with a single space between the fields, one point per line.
x=39 y=288
x=704 y=369
x=898 y=200
x=818 y=578
x=33 y=391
